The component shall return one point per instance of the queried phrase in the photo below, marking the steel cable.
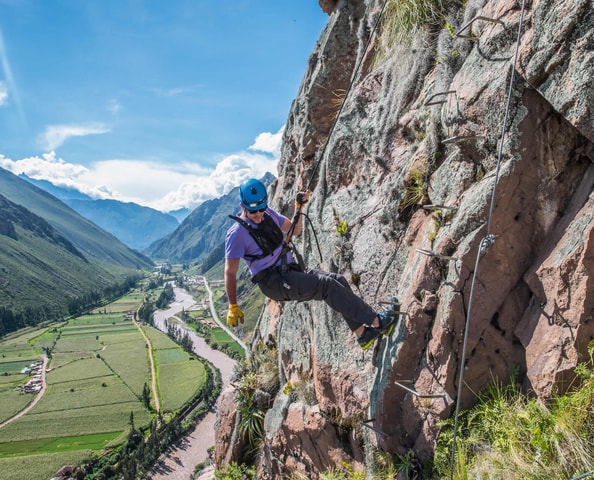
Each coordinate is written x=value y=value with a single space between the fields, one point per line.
x=486 y=241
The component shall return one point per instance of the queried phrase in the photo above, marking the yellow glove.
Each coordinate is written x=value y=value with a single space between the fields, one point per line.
x=234 y=314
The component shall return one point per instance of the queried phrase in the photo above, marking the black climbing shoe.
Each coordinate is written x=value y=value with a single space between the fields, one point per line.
x=389 y=317
x=387 y=321
x=369 y=336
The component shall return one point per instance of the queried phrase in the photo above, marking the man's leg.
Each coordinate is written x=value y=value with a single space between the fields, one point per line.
x=333 y=289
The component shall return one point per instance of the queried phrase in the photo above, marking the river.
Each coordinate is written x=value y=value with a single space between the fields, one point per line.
x=180 y=460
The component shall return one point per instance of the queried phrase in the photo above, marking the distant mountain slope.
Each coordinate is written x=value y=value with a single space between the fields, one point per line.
x=39 y=267
x=132 y=224
x=62 y=193
x=84 y=234
x=201 y=232
x=180 y=213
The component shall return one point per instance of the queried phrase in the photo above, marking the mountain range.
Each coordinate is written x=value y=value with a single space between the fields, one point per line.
x=134 y=225
x=201 y=235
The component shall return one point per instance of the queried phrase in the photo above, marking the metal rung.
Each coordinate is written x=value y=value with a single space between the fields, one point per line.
x=439 y=207
x=416 y=394
x=462 y=138
x=470 y=37
x=398 y=312
x=438 y=102
x=437 y=255
x=376 y=430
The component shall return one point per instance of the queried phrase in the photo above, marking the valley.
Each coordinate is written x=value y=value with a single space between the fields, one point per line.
x=98 y=375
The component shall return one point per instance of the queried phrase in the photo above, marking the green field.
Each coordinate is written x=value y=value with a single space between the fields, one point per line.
x=98 y=368
x=179 y=378
x=16 y=353
x=220 y=336
x=41 y=466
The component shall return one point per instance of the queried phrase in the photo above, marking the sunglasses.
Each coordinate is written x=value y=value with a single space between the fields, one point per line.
x=262 y=210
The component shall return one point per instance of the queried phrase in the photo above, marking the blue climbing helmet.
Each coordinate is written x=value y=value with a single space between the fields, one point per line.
x=252 y=194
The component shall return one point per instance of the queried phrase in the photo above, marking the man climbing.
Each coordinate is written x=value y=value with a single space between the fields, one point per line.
x=258 y=236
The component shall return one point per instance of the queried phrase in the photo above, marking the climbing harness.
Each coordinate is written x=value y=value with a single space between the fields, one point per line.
x=268 y=235
x=486 y=242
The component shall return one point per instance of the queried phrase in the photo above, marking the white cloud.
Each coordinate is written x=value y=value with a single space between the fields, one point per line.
x=269 y=142
x=3 y=93
x=160 y=185
x=230 y=172
x=55 y=135
x=57 y=171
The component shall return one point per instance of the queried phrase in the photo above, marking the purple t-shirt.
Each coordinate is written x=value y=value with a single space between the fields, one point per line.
x=239 y=243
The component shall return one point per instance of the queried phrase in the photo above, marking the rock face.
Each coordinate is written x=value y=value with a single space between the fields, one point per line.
x=465 y=181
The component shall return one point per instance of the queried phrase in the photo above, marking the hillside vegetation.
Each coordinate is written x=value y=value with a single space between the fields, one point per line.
x=53 y=262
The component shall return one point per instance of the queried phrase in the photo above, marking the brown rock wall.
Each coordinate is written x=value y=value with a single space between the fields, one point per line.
x=530 y=293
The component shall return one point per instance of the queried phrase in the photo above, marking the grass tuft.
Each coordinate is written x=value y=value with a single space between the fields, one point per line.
x=402 y=19
x=510 y=436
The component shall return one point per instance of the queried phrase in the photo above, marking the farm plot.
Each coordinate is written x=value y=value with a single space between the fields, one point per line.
x=113 y=419
x=158 y=340
x=10 y=399
x=14 y=357
x=180 y=376
x=45 y=340
x=128 y=302
x=220 y=336
x=127 y=356
x=80 y=394
x=78 y=369
x=41 y=466
x=95 y=319
x=76 y=343
x=98 y=328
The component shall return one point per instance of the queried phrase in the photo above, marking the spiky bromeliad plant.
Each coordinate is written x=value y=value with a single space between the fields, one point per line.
x=259 y=374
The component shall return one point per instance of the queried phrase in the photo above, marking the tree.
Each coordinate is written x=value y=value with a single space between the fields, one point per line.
x=146 y=396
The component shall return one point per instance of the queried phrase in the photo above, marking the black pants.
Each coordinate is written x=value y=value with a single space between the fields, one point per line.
x=333 y=288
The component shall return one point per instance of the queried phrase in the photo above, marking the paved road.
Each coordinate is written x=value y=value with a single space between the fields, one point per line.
x=223 y=325
x=180 y=462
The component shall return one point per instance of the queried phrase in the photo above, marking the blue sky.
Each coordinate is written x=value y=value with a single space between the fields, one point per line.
x=162 y=102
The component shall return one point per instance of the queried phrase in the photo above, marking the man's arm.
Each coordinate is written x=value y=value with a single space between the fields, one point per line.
x=287 y=225
x=231 y=267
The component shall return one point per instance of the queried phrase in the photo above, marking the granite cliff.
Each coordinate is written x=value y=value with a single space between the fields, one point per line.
x=458 y=157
